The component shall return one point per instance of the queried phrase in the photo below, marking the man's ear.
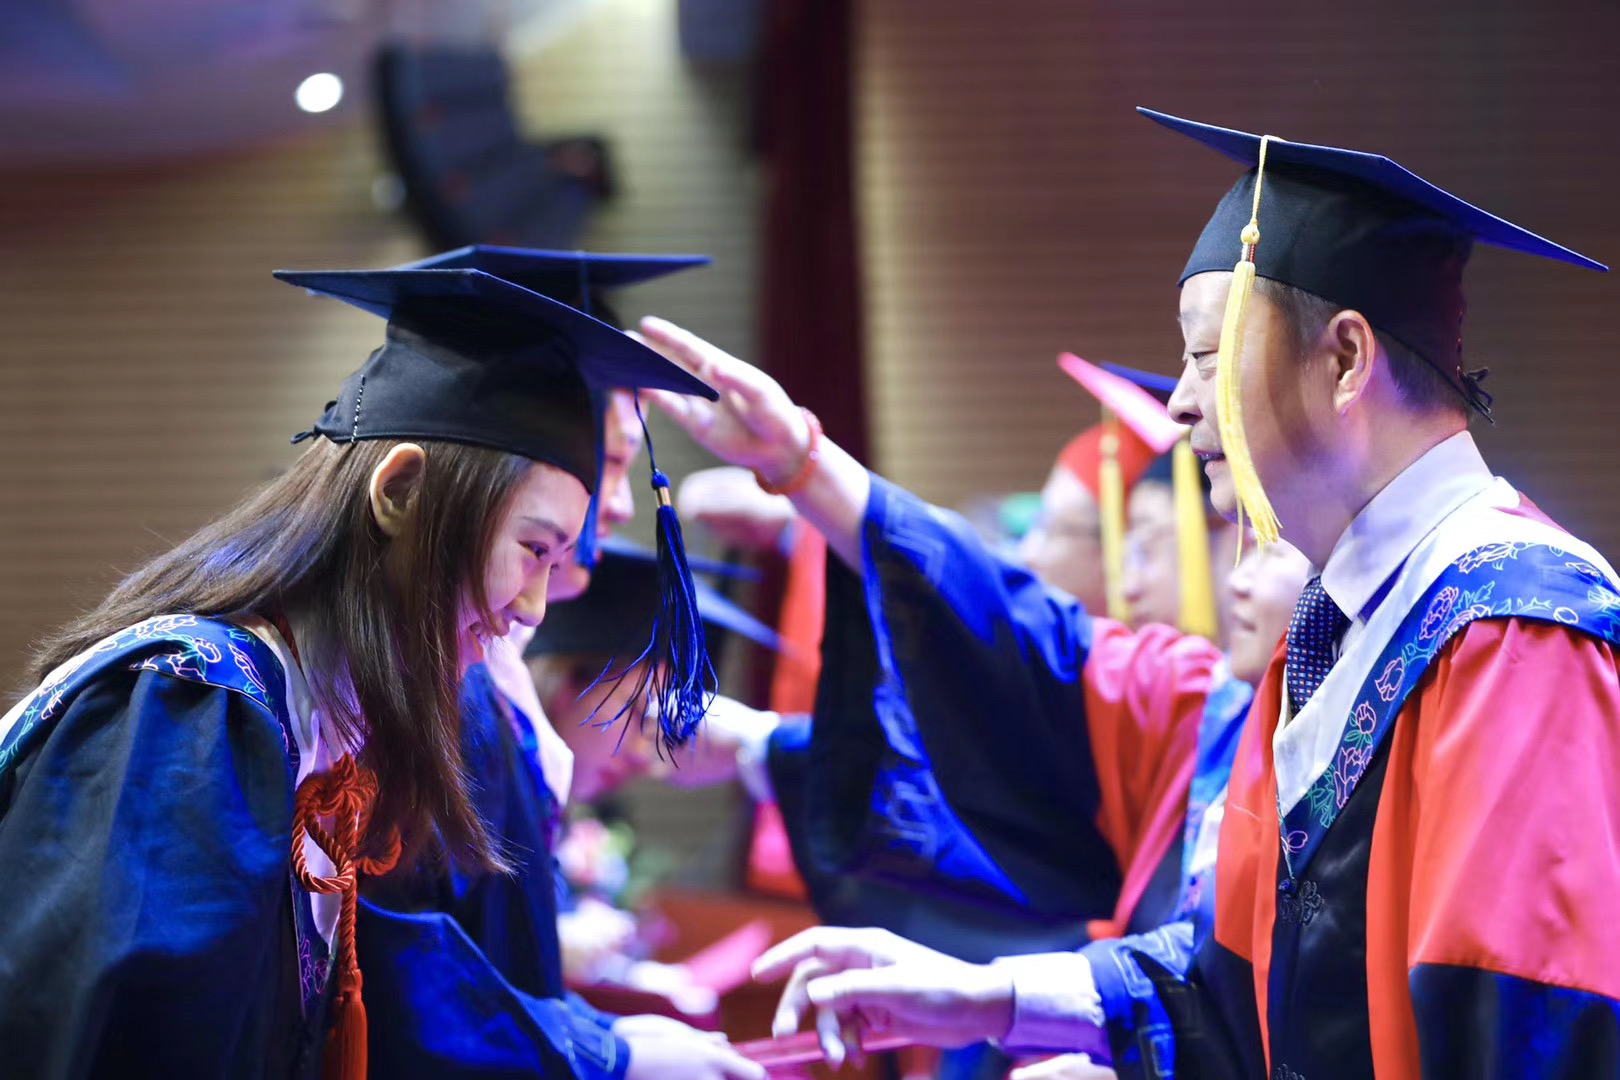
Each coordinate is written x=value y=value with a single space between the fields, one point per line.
x=394 y=486
x=1354 y=346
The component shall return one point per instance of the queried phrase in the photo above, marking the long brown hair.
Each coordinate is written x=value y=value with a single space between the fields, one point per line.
x=382 y=662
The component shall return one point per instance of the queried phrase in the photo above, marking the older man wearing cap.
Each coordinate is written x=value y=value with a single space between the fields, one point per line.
x=1412 y=876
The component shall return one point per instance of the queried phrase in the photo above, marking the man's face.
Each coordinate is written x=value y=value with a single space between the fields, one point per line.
x=621 y=443
x=1065 y=546
x=1286 y=400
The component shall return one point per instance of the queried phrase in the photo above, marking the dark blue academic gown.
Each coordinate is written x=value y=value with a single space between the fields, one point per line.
x=989 y=764
x=464 y=972
x=149 y=921
x=149 y=924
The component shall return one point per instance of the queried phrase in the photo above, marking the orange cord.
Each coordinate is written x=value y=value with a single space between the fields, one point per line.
x=344 y=795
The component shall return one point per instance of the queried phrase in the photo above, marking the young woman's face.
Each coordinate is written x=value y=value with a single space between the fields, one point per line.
x=538 y=532
x=621 y=444
x=1264 y=588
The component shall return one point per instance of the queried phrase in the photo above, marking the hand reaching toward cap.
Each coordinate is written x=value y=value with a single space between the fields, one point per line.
x=756 y=425
x=868 y=982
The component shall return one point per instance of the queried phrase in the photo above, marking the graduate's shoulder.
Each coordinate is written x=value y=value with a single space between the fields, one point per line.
x=175 y=664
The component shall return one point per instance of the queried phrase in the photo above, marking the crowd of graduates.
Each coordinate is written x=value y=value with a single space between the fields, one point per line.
x=1282 y=742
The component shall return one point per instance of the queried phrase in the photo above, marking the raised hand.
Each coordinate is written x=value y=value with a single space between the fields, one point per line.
x=754 y=424
x=871 y=982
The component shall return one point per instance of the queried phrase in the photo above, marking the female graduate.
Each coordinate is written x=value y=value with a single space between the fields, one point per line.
x=246 y=725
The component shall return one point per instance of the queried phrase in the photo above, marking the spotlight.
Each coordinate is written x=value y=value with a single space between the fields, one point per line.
x=318 y=93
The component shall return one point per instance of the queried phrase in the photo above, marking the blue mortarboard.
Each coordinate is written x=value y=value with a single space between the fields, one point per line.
x=1160 y=386
x=614 y=617
x=561 y=275
x=1361 y=231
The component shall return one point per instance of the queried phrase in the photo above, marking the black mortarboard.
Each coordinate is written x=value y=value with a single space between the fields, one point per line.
x=560 y=275
x=473 y=358
x=1352 y=228
x=614 y=617
x=1361 y=231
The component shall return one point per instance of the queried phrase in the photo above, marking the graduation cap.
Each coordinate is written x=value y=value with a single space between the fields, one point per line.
x=1135 y=429
x=614 y=616
x=1353 y=228
x=1189 y=489
x=473 y=358
x=576 y=278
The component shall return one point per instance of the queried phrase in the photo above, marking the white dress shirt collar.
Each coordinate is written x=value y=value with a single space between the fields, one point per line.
x=1390 y=527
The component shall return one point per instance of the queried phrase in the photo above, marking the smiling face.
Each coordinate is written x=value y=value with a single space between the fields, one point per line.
x=536 y=534
x=621 y=444
x=1287 y=395
x=1264 y=589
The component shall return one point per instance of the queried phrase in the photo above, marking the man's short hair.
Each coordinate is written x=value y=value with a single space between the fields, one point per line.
x=1420 y=384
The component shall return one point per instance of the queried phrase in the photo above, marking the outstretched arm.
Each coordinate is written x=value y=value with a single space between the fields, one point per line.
x=756 y=425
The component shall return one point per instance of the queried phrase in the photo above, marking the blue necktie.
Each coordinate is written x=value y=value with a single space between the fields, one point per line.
x=1315 y=630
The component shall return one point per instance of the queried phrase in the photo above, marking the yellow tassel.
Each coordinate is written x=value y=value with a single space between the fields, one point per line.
x=1192 y=543
x=1111 y=503
x=1251 y=495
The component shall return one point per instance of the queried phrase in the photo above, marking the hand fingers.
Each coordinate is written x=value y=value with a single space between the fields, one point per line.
x=713 y=365
x=693 y=415
x=850 y=1033
x=734 y=1066
x=795 y=1000
x=872 y=990
x=839 y=947
x=830 y=1034
x=1063 y=1067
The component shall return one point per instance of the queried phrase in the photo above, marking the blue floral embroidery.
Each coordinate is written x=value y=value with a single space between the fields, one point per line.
x=1529 y=581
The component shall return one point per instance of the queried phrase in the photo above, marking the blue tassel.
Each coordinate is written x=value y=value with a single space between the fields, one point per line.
x=673 y=673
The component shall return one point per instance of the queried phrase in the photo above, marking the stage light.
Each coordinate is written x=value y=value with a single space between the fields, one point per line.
x=318 y=93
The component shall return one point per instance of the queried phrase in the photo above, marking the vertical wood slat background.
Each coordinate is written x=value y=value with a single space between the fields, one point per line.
x=1015 y=206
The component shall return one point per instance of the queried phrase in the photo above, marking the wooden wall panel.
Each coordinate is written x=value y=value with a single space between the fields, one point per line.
x=1015 y=205
x=151 y=370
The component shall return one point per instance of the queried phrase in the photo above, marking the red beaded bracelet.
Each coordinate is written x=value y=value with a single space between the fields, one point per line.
x=811 y=457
